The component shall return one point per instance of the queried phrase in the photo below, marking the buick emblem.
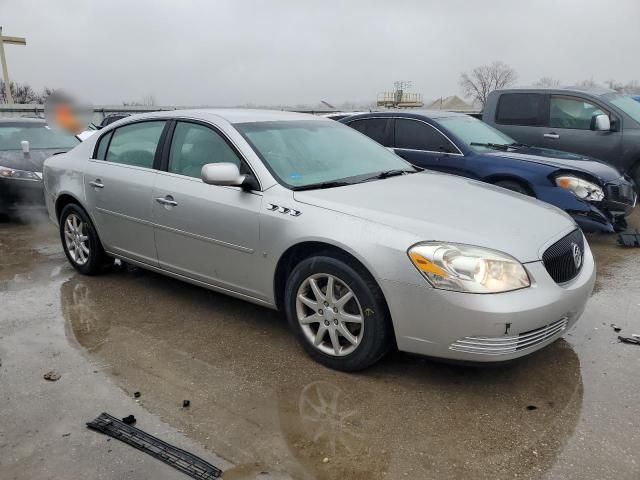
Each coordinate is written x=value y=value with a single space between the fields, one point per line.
x=577 y=255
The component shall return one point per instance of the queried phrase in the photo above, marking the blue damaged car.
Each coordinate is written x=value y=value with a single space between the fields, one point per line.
x=596 y=195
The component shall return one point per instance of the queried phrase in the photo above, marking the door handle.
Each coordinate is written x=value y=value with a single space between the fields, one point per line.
x=168 y=200
x=97 y=183
x=551 y=135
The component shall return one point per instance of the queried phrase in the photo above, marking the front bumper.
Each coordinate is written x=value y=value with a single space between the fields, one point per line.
x=20 y=194
x=510 y=325
x=609 y=215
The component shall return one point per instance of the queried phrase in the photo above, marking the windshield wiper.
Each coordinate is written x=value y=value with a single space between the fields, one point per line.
x=495 y=146
x=389 y=173
x=519 y=145
x=318 y=186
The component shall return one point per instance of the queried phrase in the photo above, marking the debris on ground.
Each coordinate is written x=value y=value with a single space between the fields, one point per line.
x=186 y=403
x=181 y=460
x=615 y=327
x=531 y=407
x=325 y=460
x=136 y=394
x=129 y=420
x=52 y=376
x=629 y=239
x=634 y=339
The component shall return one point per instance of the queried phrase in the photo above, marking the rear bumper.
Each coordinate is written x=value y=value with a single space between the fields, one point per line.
x=505 y=326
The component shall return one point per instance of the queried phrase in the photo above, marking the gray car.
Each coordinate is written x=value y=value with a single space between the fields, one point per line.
x=362 y=251
x=592 y=121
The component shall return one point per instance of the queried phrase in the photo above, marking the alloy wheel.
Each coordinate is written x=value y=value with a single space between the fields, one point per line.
x=76 y=239
x=329 y=314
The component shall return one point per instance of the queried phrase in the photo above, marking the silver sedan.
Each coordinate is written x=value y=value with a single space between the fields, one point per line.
x=361 y=251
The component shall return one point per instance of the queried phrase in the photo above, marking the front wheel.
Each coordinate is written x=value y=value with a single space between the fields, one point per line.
x=80 y=241
x=338 y=313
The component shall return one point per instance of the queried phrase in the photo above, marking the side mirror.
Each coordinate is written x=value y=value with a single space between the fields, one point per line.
x=601 y=123
x=222 y=174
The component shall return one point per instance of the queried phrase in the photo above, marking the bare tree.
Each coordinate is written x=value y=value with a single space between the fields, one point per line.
x=485 y=79
x=146 y=101
x=24 y=93
x=587 y=83
x=547 y=82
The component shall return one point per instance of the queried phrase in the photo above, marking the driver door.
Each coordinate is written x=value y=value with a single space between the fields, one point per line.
x=208 y=233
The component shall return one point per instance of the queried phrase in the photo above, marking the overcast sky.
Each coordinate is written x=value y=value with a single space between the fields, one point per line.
x=232 y=52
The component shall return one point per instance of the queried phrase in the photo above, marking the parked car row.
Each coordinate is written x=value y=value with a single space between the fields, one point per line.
x=596 y=195
x=363 y=251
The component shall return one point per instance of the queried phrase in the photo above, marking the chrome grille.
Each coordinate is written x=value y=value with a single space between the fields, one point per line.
x=558 y=258
x=510 y=344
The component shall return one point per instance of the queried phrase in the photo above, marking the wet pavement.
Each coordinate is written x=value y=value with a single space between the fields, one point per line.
x=261 y=409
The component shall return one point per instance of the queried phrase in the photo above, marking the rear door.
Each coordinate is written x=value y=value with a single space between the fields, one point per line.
x=523 y=116
x=118 y=184
x=570 y=124
x=425 y=146
x=208 y=233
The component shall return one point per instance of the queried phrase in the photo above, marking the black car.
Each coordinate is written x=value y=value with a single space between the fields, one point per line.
x=25 y=143
x=596 y=195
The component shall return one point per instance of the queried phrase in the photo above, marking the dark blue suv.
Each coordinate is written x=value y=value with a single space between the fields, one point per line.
x=596 y=195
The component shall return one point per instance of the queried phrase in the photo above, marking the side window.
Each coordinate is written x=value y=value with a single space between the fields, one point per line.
x=521 y=109
x=103 y=143
x=195 y=145
x=572 y=112
x=417 y=135
x=377 y=129
x=135 y=144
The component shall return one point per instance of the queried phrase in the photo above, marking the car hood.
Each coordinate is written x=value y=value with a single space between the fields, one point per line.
x=563 y=160
x=31 y=162
x=436 y=206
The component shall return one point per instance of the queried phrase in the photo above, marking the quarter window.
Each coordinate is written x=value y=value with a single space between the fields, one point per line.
x=193 y=146
x=377 y=129
x=572 y=112
x=134 y=144
x=521 y=109
x=417 y=135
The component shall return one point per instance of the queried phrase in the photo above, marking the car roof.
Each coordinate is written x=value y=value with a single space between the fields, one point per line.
x=21 y=120
x=592 y=90
x=413 y=113
x=232 y=115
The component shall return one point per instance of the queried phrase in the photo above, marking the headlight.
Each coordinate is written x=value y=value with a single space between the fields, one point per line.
x=14 y=174
x=465 y=268
x=582 y=189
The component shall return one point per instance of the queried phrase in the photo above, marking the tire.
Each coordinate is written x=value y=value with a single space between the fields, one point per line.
x=373 y=335
x=514 y=186
x=80 y=241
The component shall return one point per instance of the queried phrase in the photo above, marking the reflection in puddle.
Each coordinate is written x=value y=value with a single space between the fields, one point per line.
x=258 y=401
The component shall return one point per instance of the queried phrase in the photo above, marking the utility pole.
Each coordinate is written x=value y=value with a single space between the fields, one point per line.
x=3 y=60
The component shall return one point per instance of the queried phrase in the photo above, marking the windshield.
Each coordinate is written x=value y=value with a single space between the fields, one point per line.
x=628 y=105
x=38 y=135
x=473 y=131
x=308 y=152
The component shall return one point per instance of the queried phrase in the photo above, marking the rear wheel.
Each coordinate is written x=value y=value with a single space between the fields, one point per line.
x=514 y=186
x=80 y=241
x=338 y=313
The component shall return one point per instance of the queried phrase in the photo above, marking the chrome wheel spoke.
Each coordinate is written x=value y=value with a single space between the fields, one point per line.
x=342 y=301
x=308 y=302
x=349 y=318
x=316 y=290
x=83 y=238
x=322 y=330
x=315 y=318
x=333 y=334
x=329 y=295
x=344 y=331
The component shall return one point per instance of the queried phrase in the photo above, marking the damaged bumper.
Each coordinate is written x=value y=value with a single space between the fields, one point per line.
x=21 y=195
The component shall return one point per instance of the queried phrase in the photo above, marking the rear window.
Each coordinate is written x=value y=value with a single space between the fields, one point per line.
x=521 y=109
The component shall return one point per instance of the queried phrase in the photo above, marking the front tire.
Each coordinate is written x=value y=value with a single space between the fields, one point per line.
x=338 y=313
x=80 y=241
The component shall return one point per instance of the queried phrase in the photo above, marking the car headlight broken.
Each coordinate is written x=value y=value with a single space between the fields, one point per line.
x=14 y=174
x=465 y=268
x=581 y=188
